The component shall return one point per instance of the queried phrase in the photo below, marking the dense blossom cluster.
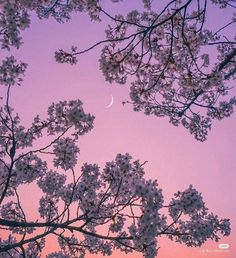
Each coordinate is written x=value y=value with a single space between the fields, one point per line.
x=58 y=255
x=167 y=53
x=11 y=211
x=52 y=182
x=165 y=50
x=13 y=19
x=66 y=57
x=66 y=153
x=11 y=71
x=33 y=250
x=27 y=169
x=15 y=15
x=10 y=240
x=156 y=47
x=48 y=207
x=67 y=114
x=3 y=176
x=118 y=197
x=175 y=77
x=187 y=202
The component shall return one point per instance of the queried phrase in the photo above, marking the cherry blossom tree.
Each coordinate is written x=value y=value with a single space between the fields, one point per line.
x=166 y=51
x=94 y=210
x=88 y=210
x=182 y=69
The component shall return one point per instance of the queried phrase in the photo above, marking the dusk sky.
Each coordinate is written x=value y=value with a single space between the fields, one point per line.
x=174 y=157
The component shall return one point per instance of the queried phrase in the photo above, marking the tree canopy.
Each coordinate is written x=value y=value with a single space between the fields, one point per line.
x=129 y=208
x=182 y=69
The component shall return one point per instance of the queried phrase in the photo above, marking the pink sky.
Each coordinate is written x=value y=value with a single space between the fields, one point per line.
x=174 y=157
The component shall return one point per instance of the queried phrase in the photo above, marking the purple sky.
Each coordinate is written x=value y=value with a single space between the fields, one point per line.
x=174 y=157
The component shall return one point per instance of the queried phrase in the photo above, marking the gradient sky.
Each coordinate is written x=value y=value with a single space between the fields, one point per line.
x=174 y=157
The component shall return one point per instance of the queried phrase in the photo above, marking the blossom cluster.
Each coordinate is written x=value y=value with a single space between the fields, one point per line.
x=157 y=48
x=58 y=255
x=66 y=152
x=117 y=197
x=11 y=72
x=10 y=240
x=62 y=56
x=15 y=15
x=12 y=20
x=48 y=207
x=67 y=114
x=27 y=169
x=52 y=182
x=33 y=250
x=188 y=202
x=11 y=211
x=3 y=176
x=196 y=231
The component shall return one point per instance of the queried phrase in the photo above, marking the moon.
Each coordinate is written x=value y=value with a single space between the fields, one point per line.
x=111 y=103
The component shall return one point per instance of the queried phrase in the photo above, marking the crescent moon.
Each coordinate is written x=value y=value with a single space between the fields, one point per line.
x=111 y=103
